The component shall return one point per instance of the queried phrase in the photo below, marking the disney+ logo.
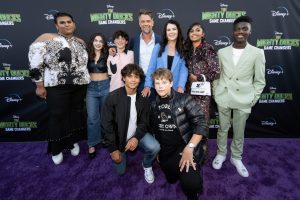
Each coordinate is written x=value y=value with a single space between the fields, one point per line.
x=276 y=69
x=166 y=14
x=13 y=98
x=222 y=41
x=280 y=12
x=269 y=122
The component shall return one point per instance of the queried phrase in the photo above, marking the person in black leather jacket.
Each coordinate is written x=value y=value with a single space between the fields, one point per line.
x=179 y=125
x=125 y=123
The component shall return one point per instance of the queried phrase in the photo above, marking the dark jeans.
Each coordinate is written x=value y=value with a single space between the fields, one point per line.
x=191 y=182
x=66 y=116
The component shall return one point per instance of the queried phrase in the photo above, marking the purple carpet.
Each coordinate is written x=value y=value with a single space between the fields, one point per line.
x=27 y=172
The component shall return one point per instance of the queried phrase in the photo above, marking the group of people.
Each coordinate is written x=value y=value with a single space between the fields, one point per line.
x=139 y=94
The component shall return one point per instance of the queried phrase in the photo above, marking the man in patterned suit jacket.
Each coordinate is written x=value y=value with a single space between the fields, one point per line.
x=241 y=82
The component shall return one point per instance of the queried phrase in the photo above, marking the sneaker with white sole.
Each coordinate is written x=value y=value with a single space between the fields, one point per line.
x=240 y=167
x=218 y=161
x=149 y=176
x=57 y=159
x=75 y=151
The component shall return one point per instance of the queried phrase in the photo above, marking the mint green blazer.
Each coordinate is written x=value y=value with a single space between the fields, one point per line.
x=240 y=85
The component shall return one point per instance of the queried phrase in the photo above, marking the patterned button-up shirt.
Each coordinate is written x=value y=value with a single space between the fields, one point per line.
x=204 y=60
x=59 y=61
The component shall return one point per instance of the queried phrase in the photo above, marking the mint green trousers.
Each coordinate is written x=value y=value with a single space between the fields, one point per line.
x=238 y=118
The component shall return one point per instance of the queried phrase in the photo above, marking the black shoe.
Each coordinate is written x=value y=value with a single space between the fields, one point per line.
x=104 y=143
x=193 y=197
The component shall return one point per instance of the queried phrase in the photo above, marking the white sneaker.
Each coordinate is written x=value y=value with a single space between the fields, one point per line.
x=218 y=161
x=149 y=176
x=57 y=159
x=239 y=167
x=75 y=151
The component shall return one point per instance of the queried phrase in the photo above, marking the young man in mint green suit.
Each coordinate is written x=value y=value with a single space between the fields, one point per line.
x=241 y=82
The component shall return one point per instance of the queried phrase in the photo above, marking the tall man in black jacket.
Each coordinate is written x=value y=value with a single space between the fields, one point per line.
x=125 y=121
x=179 y=126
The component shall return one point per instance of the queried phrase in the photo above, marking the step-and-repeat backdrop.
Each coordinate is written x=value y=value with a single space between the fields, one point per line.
x=276 y=24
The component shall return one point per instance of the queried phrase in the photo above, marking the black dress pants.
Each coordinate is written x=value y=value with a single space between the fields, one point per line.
x=191 y=182
x=67 y=121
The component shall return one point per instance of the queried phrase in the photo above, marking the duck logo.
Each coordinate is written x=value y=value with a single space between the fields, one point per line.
x=278 y=42
x=280 y=12
x=166 y=14
x=5 y=44
x=9 y=74
x=274 y=97
x=50 y=14
x=111 y=17
x=9 y=19
x=17 y=125
x=223 y=15
x=272 y=89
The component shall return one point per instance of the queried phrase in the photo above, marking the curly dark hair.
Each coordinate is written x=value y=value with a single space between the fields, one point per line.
x=133 y=68
x=179 y=42
x=91 y=50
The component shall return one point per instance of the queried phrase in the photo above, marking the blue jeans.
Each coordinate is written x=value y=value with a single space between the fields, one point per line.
x=95 y=97
x=151 y=148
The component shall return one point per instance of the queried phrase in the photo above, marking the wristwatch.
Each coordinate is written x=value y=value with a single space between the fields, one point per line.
x=191 y=145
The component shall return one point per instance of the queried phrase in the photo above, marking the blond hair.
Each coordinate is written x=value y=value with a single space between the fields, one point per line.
x=163 y=73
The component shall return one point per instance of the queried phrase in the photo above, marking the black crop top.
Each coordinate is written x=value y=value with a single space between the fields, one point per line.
x=99 y=67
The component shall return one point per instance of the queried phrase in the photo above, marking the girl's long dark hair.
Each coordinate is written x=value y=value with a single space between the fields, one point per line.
x=179 y=41
x=91 y=50
x=188 y=44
